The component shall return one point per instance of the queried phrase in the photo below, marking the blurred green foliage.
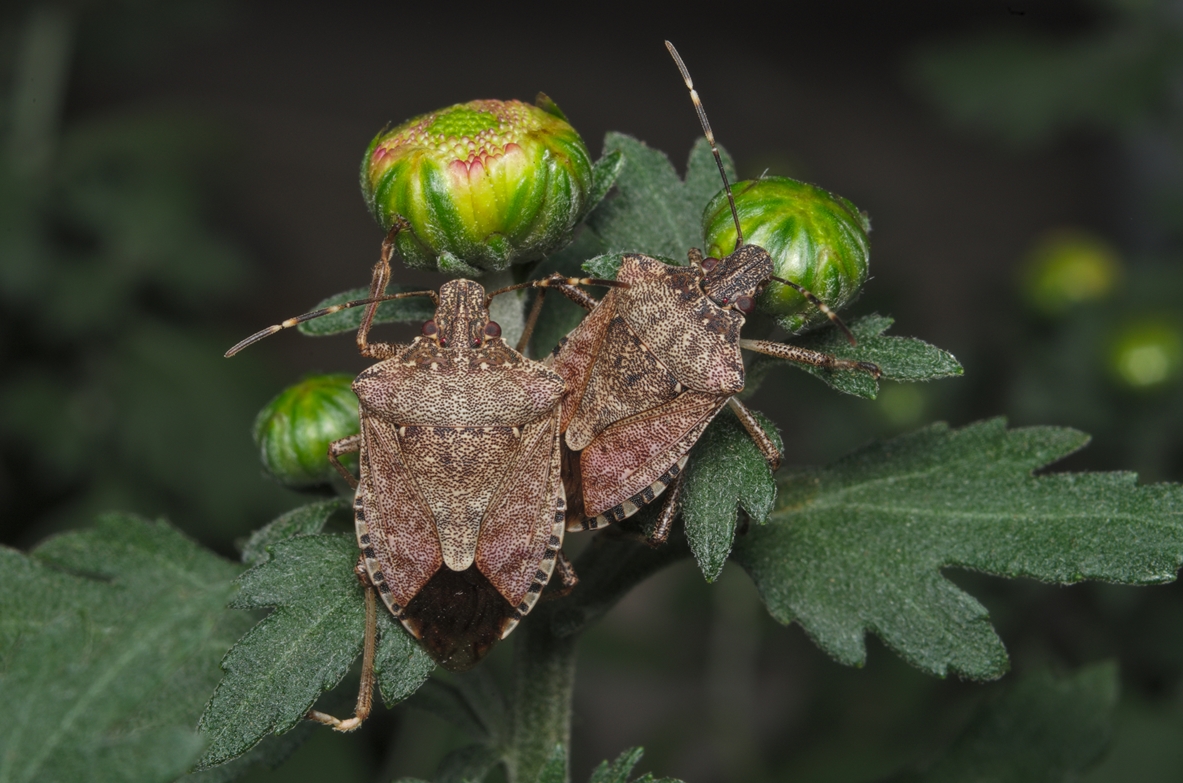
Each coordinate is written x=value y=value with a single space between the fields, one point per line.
x=113 y=391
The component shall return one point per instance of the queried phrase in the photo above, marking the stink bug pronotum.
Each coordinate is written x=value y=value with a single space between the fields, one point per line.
x=653 y=363
x=460 y=506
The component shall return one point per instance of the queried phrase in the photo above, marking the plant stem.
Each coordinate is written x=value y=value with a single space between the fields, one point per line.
x=544 y=646
x=544 y=677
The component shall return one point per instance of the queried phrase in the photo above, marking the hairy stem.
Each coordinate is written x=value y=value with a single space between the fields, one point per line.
x=544 y=677
x=545 y=645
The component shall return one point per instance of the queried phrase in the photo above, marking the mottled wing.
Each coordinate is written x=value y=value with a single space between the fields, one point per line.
x=695 y=338
x=395 y=528
x=628 y=379
x=630 y=463
x=575 y=356
x=523 y=527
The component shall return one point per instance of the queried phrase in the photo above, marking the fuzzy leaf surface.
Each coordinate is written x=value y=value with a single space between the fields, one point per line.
x=859 y=546
x=415 y=309
x=619 y=770
x=555 y=769
x=655 y=211
x=108 y=638
x=275 y=673
x=726 y=472
x=303 y=521
x=899 y=358
x=605 y=171
x=1044 y=728
x=400 y=664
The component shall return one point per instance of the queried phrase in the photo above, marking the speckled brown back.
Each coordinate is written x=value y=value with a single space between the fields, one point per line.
x=460 y=472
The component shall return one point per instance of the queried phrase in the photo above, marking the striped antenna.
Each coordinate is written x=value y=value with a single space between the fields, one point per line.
x=706 y=128
x=299 y=319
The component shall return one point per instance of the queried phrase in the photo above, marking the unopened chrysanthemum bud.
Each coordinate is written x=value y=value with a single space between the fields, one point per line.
x=294 y=430
x=483 y=184
x=816 y=239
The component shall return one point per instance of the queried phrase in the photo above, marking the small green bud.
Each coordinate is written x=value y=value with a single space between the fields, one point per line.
x=1147 y=354
x=1067 y=268
x=294 y=430
x=483 y=184
x=816 y=239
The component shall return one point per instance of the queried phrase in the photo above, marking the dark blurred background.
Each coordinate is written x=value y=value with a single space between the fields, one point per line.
x=176 y=175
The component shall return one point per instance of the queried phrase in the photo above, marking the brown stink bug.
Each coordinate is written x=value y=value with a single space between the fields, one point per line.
x=654 y=362
x=460 y=506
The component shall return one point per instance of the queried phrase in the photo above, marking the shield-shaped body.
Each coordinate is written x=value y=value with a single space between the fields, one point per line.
x=646 y=372
x=460 y=509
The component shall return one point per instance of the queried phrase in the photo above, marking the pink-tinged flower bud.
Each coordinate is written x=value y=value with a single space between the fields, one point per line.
x=816 y=239
x=294 y=430
x=483 y=184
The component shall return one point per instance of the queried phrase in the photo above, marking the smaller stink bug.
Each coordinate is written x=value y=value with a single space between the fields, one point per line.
x=460 y=507
x=655 y=361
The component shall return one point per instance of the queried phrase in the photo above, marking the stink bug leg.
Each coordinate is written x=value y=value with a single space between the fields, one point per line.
x=365 y=693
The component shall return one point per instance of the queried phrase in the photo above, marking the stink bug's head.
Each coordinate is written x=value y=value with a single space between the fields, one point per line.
x=462 y=316
x=736 y=279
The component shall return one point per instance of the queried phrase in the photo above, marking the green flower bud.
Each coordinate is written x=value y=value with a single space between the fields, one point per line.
x=816 y=239
x=294 y=430
x=1067 y=268
x=483 y=184
x=1147 y=355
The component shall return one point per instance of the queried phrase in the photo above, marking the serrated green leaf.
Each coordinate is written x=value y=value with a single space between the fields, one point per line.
x=108 y=636
x=302 y=521
x=605 y=265
x=726 y=470
x=555 y=769
x=306 y=645
x=413 y=309
x=899 y=358
x=620 y=769
x=470 y=764
x=1043 y=729
x=859 y=546
x=605 y=171
x=271 y=751
x=275 y=673
x=400 y=664
x=655 y=211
